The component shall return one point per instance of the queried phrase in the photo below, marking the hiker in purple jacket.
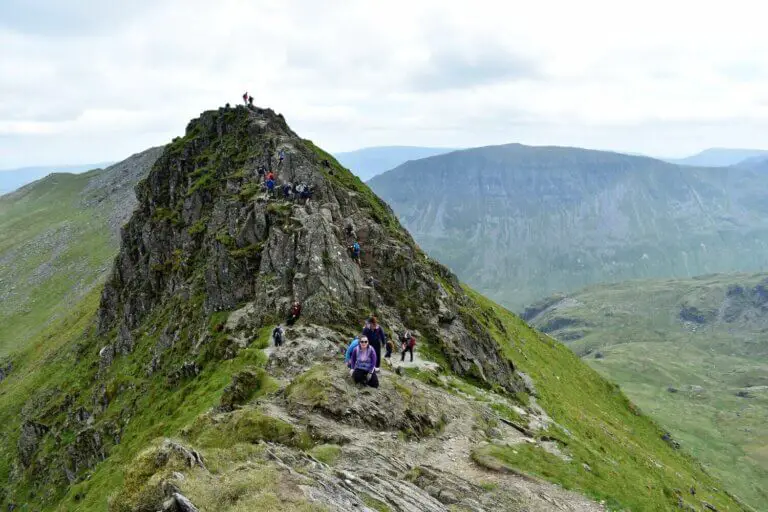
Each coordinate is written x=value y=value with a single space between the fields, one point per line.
x=363 y=364
x=376 y=336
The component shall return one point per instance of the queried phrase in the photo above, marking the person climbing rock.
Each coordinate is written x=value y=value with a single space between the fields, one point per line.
x=354 y=251
x=348 y=355
x=270 y=175
x=376 y=337
x=364 y=362
x=270 y=183
x=408 y=341
x=277 y=335
x=262 y=170
x=281 y=156
x=294 y=314
x=287 y=189
x=305 y=194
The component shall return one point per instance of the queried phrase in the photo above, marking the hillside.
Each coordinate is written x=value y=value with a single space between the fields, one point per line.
x=519 y=223
x=369 y=162
x=57 y=239
x=692 y=353
x=719 y=157
x=164 y=390
x=11 y=179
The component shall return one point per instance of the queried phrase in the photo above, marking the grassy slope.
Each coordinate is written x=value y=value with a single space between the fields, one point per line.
x=51 y=250
x=631 y=467
x=647 y=349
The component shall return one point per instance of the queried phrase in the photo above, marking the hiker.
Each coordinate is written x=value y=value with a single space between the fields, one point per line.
x=227 y=107
x=262 y=171
x=326 y=163
x=390 y=347
x=277 y=335
x=270 y=186
x=250 y=101
x=281 y=156
x=305 y=194
x=287 y=190
x=408 y=342
x=354 y=250
x=245 y=97
x=364 y=362
x=294 y=314
x=348 y=354
x=375 y=334
x=270 y=175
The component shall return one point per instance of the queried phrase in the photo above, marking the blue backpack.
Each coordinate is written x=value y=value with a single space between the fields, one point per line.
x=356 y=248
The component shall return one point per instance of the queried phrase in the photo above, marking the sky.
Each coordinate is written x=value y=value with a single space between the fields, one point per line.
x=90 y=80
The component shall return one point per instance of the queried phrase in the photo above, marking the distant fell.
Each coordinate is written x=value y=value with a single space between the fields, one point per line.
x=718 y=157
x=368 y=162
x=11 y=179
x=522 y=222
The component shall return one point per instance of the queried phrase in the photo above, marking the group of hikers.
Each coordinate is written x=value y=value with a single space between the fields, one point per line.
x=363 y=355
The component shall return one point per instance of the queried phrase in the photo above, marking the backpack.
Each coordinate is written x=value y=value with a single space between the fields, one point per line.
x=277 y=334
x=356 y=248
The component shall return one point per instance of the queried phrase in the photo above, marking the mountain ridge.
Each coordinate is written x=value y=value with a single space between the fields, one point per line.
x=164 y=390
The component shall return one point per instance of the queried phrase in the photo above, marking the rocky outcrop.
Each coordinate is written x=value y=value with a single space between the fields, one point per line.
x=205 y=228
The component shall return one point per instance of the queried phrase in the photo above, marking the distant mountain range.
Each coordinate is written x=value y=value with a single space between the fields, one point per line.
x=719 y=157
x=521 y=222
x=369 y=162
x=11 y=179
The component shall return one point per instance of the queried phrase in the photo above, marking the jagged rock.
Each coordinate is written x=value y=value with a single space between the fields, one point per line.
x=672 y=389
x=125 y=341
x=178 y=503
x=197 y=204
x=106 y=356
x=29 y=439
x=170 y=449
x=187 y=370
x=244 y=384
x=667 y=437
x=86 y=451
x=709 y=506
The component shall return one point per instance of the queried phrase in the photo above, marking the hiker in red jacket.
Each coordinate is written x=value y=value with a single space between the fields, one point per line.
x=245 y=97
x=408 y=341
x=295 y=313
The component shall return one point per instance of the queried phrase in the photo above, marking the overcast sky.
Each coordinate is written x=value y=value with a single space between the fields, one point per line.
x=85 y=81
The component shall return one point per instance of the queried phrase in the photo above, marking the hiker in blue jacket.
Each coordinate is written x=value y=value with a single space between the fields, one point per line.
x=348 y=355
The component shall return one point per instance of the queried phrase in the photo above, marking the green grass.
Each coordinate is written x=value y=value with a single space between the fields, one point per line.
x=632 y=467
x=327 y=453
x=646 y=348
x=53 y=252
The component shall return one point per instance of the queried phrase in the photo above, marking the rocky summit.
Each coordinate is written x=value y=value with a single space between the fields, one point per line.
x=165 y=392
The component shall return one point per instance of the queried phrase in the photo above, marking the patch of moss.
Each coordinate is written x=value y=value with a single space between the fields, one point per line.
x=374 y=503
x=327 y=453
x=312 y=387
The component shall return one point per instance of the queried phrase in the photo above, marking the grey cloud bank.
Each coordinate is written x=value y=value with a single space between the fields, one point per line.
x=91 y=81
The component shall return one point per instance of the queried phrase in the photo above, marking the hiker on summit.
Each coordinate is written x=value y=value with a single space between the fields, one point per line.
x=294 y=314
x=277 y=335
x=250 y=101
x=245 y=97
x=375 y=334
x=408 y=341
x=364 y=362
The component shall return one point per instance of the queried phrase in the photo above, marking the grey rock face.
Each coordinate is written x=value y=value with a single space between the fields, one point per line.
x=204 y=227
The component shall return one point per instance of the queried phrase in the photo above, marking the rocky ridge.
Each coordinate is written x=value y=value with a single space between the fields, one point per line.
x=172 y=399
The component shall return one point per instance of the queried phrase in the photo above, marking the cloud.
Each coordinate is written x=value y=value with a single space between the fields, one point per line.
x=87 y=80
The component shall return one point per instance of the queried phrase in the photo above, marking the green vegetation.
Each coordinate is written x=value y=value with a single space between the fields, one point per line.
x=327 y=453
x=54 y=250
x=686 y=375
x=631 y=466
